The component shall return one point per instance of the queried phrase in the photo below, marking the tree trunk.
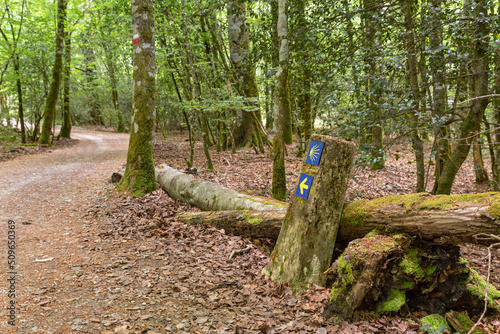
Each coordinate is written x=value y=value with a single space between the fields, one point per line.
x=50 y=106
x=479 y=170
x=281 y=105
x=472 y=122
x=210 y=196
x=139 y=177
x=244 y=70
x=418 y=145
x=197 y=92
x=20 y=98
x=66 y=121
x=374 y=141
x=90 y=74
x=438 y=71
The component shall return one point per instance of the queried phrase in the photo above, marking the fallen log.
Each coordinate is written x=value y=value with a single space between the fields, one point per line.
x=207 y=195
x=443 y=219
x=245 y=223
x=211 y=196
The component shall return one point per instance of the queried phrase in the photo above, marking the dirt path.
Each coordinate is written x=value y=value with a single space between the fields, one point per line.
x=44 y=195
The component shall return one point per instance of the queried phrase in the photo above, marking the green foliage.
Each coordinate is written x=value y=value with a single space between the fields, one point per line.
x=9 y=140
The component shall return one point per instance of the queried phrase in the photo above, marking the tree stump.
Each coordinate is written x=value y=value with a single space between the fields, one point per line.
x=399 y=273
x=307 y=238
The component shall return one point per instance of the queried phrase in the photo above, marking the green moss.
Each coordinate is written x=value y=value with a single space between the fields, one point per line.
x=255 y=221
x=494 y=211
x=393 y=303
x=477 y=288
x=410 y=264
x=354 y=214
x=408 y=285
x=434 y=323
x=431 y=270
x=372 y=234
x=345 y=270
x=465 y=321
x=247 y=215
x=335 y=294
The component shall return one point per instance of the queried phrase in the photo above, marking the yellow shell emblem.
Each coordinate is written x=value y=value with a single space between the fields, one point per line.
x=314 y=153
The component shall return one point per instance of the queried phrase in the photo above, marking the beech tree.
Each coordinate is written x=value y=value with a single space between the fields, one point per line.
x=50 y=105
x=139 y=177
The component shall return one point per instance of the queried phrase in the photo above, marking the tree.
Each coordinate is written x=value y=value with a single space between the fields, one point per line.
x=281 y=104
x=66 y=124
x=244 y=72
x=139 y=177
x=15 y=56
x=418 y=145
x=479 y=101
x=50 y=105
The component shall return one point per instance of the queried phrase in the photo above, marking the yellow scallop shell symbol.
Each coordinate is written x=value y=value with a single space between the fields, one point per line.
x=314 y=153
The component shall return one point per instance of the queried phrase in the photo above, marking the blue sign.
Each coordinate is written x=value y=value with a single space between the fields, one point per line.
x=304 y=185
x=314 y=153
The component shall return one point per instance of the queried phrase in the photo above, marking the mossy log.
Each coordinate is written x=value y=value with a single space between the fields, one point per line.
x=245 y=223
x=397 y=274
x=443 y=219
x=210 y=196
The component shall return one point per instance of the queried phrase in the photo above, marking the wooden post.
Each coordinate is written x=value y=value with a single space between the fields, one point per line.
x=305 y=245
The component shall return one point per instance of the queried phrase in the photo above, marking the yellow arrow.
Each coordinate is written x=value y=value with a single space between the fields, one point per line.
x=303 y=186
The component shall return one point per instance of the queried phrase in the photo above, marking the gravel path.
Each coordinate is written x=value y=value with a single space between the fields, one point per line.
x=44 y=195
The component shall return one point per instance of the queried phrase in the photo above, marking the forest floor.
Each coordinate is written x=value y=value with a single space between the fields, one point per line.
x=91 y=261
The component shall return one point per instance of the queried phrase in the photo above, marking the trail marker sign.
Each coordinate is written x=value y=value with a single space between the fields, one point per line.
x=307 y=238
x=314 y=153
x=304 y=186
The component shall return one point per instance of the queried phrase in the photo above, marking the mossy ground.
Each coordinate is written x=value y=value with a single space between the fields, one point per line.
x=393 y=303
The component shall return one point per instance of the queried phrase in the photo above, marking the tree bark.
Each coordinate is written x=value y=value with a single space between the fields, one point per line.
x=66 y=121
x=20 y=98
x=438 y=71
x=389 y=273
x=139 y=177
x=248 y=224
x=418 y=145
x=50 y=106
x=210 y=196
x=281 y=105
x=244 y=70
x=479 y=170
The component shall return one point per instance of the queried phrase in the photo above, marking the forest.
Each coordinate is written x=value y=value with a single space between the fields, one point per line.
x=266 y=166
